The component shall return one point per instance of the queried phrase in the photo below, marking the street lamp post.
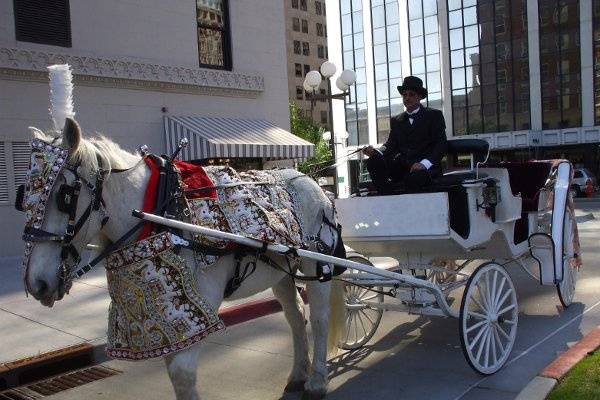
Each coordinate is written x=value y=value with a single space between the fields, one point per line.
x=312 y=81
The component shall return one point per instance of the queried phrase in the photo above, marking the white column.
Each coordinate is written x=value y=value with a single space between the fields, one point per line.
x=338 y=123
x=370 y=71
x=535 y=88
x=404 y=37
x=586 y=32
x=445 y=66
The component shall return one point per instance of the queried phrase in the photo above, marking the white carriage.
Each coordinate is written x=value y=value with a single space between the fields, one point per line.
x=495 y=215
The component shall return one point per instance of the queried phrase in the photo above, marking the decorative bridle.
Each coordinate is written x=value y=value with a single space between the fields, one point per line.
x=43 y=181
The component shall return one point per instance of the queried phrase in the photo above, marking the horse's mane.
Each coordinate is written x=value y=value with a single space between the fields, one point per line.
x=112 y=156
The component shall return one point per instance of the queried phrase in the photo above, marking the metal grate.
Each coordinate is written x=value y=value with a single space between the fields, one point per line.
x=59 y=383
x=21 y=157
x=3 y=177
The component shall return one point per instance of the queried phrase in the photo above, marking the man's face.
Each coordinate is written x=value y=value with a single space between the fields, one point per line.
x=411 y=99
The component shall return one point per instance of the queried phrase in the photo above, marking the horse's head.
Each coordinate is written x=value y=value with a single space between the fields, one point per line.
x=62 y=201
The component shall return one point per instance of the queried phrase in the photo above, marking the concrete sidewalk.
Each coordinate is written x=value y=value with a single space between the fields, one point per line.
x=28 y=329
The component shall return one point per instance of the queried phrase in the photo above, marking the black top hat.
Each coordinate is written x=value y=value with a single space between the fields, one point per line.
x=413 y=83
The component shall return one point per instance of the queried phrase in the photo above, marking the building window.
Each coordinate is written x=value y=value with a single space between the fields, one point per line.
x=304 y=26
x=425 y=48
x=43 y=21
x=321 y=51
x=306 y=69
x=303 y=5
x=299 y=93
x=320 y=29
x=305 y=49
x=324 y=9
x=214 y=50
x=297 y=48
x=295 y=4
x=324 y=117
x=489 y=66
x=559 y=49
x=296 y=24
x=298 y=69
x=353 y=57
x=323 y=92
x=596 y=36
x=318 y=9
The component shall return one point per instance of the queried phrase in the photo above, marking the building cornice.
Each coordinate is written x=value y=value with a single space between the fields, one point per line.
x=30 y=65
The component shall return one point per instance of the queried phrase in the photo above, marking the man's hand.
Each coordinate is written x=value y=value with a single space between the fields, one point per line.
x=369 y=150
x=417 y=167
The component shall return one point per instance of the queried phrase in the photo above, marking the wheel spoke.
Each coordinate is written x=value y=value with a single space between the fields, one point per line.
x=477 y=337
x=482 y=343
x=493 y=291
x=482 y=308
x=368 y=317
x=477 y=315
x=501 y=302
x=362 y=324
x=486 y=355
x=499 y=293
x=475 y=326
x=493 y=343
x=483 y=298
x=503 y=333
x=498 y=340
x=506 y=309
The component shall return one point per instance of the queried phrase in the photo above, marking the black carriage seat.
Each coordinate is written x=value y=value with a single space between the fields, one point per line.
x=452 y=182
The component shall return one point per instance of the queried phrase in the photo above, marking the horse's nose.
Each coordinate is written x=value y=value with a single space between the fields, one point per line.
x=39 y=289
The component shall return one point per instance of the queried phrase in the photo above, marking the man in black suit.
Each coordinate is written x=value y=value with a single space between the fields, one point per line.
x=415 y=147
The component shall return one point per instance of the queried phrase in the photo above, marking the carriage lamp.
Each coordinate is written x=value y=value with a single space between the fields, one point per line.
x=491 y=198
x=313 y=80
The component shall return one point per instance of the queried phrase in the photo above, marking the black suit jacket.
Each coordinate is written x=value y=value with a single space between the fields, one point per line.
x=424 y=138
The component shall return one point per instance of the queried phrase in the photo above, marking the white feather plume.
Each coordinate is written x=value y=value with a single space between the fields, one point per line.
x=61 y=94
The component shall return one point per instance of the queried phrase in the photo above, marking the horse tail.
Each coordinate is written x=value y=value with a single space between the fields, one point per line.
x=337 y=315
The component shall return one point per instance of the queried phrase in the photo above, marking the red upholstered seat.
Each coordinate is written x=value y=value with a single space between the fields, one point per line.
x=526 y=179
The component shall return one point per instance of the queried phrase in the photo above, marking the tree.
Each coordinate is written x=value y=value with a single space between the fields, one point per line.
x=306 y=129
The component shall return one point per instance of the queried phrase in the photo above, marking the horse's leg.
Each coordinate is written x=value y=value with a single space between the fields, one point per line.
x=182 y=371
x=318 y=299
x=286 y=293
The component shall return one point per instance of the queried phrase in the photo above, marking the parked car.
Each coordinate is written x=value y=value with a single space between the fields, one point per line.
x=581 y=176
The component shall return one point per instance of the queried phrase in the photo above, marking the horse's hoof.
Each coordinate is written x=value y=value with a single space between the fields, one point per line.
x=318 y=395
x=294 y=386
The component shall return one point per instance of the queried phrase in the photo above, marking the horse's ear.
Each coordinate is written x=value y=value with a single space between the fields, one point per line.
x=71 y=134
x=36 y=133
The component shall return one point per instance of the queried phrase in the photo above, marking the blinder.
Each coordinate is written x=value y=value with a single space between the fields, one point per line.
x=20 y=198
x=65 y=198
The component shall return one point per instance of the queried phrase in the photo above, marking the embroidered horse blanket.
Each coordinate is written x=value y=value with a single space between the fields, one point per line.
x=156 y=309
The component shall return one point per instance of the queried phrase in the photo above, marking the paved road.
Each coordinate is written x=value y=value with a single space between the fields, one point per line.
x=410 y=357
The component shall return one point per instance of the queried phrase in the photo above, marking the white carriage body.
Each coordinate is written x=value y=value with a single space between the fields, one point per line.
x=412 y=226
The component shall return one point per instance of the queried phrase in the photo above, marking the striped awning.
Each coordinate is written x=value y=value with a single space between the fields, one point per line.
x=217 y=137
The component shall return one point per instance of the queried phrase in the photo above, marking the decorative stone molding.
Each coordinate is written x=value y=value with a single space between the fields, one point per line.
x=30 y=65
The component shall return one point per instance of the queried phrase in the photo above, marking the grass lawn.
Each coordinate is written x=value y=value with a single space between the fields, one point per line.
x=582 y=382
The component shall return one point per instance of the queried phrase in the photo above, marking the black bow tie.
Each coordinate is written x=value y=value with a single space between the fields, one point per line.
x=413 y=116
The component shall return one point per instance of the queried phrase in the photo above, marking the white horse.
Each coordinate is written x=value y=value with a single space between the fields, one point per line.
x=124 y=191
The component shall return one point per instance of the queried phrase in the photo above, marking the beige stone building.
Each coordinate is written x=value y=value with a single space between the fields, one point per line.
x=147 y=72
x=306 y=39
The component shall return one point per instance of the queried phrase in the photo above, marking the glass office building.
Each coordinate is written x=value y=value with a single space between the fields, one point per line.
x=522 y=74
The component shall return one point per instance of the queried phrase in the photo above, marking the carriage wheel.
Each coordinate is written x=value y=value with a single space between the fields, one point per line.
x=488 y=318
x=361 y=319
x=566 y=288
x=444 y=272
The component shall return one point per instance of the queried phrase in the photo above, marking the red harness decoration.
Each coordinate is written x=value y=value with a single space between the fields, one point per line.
x=193 y=177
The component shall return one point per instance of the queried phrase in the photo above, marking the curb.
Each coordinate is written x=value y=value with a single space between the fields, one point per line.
x=541 y=385
x=41 y=366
